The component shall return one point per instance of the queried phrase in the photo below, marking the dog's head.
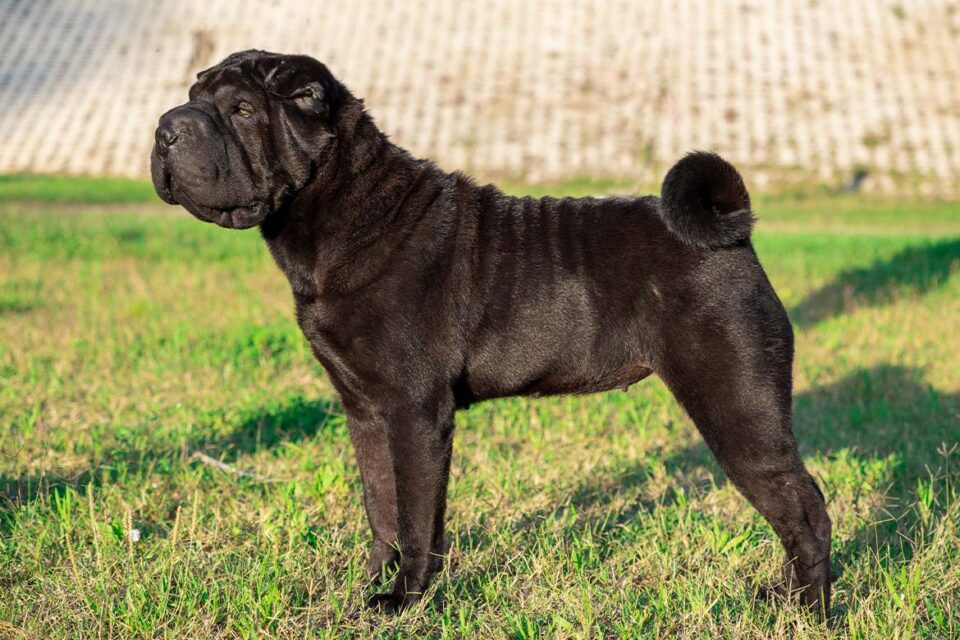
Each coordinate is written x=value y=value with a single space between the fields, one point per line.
x=252 y=134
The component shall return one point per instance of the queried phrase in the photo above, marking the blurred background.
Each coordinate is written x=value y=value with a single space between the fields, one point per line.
x=860 y=92
x=175 y=463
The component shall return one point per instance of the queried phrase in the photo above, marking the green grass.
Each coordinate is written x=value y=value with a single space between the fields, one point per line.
x=74 y=189
x=131 y=346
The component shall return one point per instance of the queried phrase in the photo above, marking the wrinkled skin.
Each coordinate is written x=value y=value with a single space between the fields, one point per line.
x=421 y=293
x=250 y=137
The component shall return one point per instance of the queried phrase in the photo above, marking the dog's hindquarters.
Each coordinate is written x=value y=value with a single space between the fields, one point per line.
x=734 y=380
x=728 y=360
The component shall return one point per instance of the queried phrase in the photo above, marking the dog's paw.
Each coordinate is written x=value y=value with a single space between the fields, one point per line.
x=780 y=593
x=392 y=602
x=384 y=602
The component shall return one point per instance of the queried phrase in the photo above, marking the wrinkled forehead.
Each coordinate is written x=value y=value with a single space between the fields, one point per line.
x=223 y=79
x=245 y=70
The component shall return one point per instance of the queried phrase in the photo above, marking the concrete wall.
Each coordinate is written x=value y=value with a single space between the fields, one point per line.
x=537 y=89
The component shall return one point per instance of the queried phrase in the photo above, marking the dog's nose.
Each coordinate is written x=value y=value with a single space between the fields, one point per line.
x=166 y=136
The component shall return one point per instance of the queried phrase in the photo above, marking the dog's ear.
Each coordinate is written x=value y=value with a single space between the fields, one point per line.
x=311 y=99
x=306 y=83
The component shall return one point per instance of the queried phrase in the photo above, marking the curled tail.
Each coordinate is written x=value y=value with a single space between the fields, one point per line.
x=704 y=202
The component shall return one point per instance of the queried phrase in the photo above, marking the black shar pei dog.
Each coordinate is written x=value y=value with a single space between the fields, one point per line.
x=422 y=292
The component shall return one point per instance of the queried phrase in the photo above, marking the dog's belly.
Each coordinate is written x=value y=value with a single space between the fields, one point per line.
x=547 y=348
x=578 y=380
x=558 y=378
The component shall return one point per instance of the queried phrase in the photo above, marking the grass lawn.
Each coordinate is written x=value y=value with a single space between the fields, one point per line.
x=136 y=349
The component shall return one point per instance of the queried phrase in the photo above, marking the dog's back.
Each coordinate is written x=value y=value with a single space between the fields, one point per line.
x=577 y=295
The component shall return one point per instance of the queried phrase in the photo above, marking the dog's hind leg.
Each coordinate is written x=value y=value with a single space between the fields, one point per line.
x=736 y=386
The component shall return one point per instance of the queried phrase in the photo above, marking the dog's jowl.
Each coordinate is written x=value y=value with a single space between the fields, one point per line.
x=422 y=292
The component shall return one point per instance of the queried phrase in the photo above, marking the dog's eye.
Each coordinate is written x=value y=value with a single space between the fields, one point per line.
x=243 y=109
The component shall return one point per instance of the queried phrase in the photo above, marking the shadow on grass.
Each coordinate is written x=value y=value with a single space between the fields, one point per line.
x=296 y=420
x=15 y=307
x=883 y=411
x=916 y=270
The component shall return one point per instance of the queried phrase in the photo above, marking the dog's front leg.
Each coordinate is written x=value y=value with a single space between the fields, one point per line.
x=372 y=448
x=421 y=440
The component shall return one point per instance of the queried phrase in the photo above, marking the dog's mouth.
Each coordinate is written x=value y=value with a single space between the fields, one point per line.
x=237 y=217
x=165 y=188
x=241 y=216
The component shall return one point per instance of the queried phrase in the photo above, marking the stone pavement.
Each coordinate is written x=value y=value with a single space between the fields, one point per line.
x=793 y=90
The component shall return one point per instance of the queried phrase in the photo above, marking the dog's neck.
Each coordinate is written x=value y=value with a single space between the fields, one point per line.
x=354 y=198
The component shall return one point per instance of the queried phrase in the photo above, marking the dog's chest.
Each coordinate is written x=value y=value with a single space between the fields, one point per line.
x=350 y=343
x=327 y=328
